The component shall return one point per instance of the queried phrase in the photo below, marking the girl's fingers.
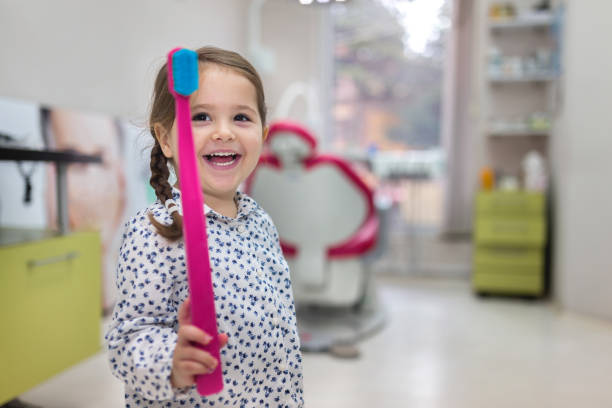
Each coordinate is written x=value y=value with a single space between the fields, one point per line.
x=184 y=312
x=223 y=337
x=191 y=334
x=196 y=355
x=188 y=367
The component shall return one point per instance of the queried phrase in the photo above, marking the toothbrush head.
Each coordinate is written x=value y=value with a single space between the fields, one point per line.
x=182 y=72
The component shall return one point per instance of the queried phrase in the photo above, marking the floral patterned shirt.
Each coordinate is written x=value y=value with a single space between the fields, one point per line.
x=261 y=363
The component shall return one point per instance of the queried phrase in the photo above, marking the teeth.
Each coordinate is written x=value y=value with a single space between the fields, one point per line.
x=225 y=164
x=232 y=155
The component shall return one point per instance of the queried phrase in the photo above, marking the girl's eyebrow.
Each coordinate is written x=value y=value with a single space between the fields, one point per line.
x=245 y=107
x=212 y=107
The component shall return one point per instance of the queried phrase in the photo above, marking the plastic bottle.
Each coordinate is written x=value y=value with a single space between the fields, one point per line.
x=534 y=171
x=487 y=178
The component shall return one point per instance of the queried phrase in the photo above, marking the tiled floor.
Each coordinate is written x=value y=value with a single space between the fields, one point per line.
x=442 y=348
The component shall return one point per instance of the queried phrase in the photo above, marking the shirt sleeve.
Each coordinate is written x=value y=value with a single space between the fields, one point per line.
x=142 y=334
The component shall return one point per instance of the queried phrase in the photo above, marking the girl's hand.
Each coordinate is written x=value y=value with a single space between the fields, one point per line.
x=188 y=360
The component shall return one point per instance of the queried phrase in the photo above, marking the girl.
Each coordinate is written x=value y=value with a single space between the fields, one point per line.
x=150 y=340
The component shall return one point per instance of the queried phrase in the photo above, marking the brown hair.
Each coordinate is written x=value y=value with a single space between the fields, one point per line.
x=162 y=112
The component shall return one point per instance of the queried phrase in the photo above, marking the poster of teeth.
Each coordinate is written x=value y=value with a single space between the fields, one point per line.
x=101 y=196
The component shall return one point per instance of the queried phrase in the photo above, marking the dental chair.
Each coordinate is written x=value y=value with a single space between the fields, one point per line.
x=328 y=224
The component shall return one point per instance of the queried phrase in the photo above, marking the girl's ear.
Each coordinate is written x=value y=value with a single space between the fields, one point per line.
x=265 y=133
x=162 y=136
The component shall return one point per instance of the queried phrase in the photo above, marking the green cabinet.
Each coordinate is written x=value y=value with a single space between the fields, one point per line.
x=509 y=242
x=50 y=308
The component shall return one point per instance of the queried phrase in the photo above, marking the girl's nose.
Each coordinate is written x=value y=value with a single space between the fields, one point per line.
x=223 y=133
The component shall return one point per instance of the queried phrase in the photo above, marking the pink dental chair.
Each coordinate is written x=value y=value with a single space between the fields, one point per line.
x=328 y=224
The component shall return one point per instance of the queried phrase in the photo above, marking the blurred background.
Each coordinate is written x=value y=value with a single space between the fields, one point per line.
x=477 y=127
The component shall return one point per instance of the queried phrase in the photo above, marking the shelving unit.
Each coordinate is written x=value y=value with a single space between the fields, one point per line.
x=518 y=85
x=519 y=82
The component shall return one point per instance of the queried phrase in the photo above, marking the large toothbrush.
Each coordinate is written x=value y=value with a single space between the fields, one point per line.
x=183 y=79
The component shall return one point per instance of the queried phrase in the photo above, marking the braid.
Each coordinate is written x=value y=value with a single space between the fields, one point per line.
x=160 y=174
x=163 y=191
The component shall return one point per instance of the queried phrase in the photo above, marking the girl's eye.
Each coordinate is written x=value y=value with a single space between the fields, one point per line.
x=200 y=117
x=242 y=118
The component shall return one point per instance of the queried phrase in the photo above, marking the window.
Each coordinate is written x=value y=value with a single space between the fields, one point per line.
x=388 y=72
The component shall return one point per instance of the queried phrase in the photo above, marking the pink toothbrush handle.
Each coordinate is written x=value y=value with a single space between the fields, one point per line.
x=196 y=246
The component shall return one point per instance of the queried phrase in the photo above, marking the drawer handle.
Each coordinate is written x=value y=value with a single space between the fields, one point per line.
x=37 y=263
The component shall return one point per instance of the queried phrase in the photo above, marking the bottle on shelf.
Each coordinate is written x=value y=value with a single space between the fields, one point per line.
x=487 y=178
x=534 y=172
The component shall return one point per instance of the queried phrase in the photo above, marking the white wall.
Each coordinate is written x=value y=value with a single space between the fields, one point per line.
x=583 y=165
x=102 y=55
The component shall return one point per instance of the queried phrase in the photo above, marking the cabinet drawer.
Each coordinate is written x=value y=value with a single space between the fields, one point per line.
x=519 y=257
x=506 y=269
x=522 y=284
x=511 y=231
x=49 y=308
x=512 y=203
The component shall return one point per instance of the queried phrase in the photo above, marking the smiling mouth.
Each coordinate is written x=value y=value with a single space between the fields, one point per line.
x=222 y=159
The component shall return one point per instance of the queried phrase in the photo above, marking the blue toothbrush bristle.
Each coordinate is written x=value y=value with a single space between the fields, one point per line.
x=185 y=71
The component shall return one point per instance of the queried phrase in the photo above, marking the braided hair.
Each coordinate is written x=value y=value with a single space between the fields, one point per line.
x=163 y=191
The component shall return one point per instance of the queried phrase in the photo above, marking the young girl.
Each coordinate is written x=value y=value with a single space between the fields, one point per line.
x=150 y=340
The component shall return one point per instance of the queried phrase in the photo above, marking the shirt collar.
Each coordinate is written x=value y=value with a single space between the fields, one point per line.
x=176 y=196
x=245 y=204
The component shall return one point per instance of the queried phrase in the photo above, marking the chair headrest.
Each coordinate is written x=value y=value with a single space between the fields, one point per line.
x=325 y=204
x=290 y=141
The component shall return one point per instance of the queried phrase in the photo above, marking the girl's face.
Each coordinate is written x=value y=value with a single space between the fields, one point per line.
x=227 y=131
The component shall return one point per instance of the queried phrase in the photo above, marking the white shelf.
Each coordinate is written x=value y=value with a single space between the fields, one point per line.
x=518 y=133
x=522 y=78
x=538 y=20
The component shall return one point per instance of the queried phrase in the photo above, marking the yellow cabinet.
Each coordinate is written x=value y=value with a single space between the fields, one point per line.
x=509 y=243
x=49 y=308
